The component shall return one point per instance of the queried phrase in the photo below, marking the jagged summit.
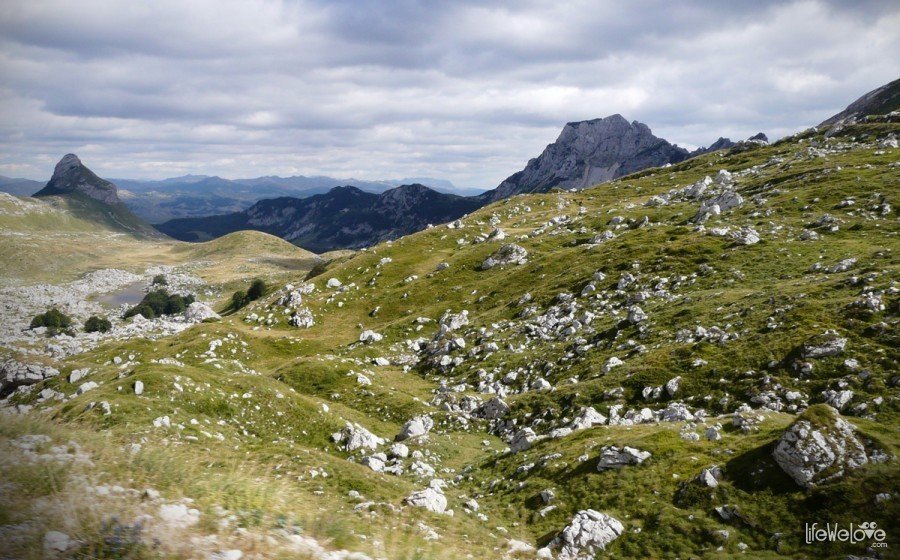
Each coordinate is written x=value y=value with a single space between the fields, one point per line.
x=591 y=152
x=70 y=176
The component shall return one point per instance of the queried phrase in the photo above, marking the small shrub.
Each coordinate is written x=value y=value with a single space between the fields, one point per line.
x=52 y=319
x=257 y=290
x=160 y=280
x=97 y=324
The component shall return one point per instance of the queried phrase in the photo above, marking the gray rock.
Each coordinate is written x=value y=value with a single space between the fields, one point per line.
x=829 y=343
x=587 y=418
x=370 y=337
x=507 y=254
x=56 y=542
x=819 y=447
x=616 y=458
x=522 y=440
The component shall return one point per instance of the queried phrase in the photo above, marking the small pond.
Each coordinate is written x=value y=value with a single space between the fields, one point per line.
x=130 y=294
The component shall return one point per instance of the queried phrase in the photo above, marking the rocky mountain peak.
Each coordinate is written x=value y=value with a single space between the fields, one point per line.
x=591 y=152
x=71 y=176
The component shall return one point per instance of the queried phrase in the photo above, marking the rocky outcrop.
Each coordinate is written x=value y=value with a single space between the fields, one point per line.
x=820 y=447
x=15 y=374
x=589 y=532
x=591 y=152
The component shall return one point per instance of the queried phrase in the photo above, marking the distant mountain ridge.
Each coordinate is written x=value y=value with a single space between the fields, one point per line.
x=586 y=153
x=343 y=218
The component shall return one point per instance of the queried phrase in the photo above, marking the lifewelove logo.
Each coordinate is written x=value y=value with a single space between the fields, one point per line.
x=867 y=532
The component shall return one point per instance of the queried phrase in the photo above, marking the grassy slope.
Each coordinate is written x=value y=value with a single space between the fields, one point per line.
x=270 y=440
x=54 y=240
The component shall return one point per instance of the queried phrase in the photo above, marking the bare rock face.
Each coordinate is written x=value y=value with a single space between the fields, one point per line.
x=591 y=152
x=589 y=532
x=70 y=176
x=821 y=447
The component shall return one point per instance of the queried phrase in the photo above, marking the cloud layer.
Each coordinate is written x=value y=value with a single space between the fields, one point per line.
x=466 y=91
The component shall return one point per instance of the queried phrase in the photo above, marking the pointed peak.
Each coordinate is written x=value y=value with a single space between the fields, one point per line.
x=67 y=162
x=71 y=176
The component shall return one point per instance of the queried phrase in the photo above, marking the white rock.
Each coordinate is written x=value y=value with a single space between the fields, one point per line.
x=198 y=312
x=418 y=426
x=55 y=542
x=178 y=515
x=370 y=337
x=430 y=498
x=85 y=387
x=588 y=533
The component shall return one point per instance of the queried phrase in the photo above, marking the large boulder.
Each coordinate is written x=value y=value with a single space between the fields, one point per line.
x=197 y=312
x=430 y=498
x=418 y=426
x=522 y=440
x=589 y=532
x=820 y=447
x=615 y=458
x=354 y=437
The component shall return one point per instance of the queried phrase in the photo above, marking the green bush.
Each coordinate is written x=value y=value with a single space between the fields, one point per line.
x=238 y=299
x=257 y=290
x=52 y=319
x=160 y=280
x=97 y=324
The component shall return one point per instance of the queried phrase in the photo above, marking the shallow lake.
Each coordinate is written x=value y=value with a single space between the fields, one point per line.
x=127 y=295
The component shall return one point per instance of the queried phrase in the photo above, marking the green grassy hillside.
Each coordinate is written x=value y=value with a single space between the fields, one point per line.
x=252 y=401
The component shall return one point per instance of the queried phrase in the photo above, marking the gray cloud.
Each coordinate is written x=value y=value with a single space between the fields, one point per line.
x=467 y=91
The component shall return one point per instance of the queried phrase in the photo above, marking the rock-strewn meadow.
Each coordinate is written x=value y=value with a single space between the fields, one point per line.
x=691 y=361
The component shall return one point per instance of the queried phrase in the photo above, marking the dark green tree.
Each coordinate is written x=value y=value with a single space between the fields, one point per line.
x=257 y=290
x=97 y=324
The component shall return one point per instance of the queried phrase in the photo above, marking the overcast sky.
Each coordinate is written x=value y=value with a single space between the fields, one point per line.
x=465 y=91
